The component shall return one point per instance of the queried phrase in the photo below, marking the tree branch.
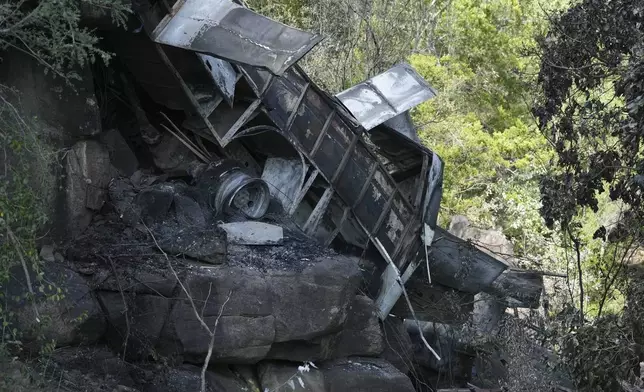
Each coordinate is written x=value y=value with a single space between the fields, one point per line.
x=127 y=318
x=577 y=245
x=199 y=316
x=17 y=246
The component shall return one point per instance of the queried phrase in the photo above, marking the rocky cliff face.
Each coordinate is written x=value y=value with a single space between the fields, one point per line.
x=300 y=307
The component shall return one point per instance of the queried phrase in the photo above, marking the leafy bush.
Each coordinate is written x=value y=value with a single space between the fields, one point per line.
x=601 y=354
x=51 y=32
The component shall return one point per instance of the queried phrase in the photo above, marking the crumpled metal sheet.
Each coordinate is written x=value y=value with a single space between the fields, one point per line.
x=223 y=74
x=229 y=31
x=403 y=124
x=385 y=96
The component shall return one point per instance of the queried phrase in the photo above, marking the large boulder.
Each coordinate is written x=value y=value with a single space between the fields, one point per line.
x=364 y=375
x=362 y=334
x=99 y=369
x=64 y=308
x=277 y=376
x=67 y=113
x=121 y=155
x=314 y=302
x=135 y=319
x=490 y=241
x=254 y=309
x=187 y=378
x=355 y=374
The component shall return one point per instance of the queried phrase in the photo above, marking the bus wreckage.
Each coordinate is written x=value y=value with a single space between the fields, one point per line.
x=349 y=170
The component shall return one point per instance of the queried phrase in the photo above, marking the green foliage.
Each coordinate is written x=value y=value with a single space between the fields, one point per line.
x=591 y=77
x=27 y=183
x=51 y=32
x=363 y=37
x=601 y=354
x=480 y=122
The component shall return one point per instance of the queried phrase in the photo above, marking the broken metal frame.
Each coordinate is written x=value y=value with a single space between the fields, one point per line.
x=294 y=103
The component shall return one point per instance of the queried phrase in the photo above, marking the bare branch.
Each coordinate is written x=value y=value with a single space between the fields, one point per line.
x=18 y=248
x=176 y=276
x=212 y=343
x=199 y=316
x=126 y=310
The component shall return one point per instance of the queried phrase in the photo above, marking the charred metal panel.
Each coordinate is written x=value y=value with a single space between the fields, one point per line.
x=459 y=264
x=518 y=288
x=434 y=302
x=403 y=124
x=402 y=156
x=223 y=75
x=257 y=78
x=386 y=96
x=232 y=32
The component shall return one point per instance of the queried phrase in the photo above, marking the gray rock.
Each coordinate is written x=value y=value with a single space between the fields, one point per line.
x=245 y=292
x=206 y=244
x=314 y=302
x=306 y=308
x=285 y=377
x=71 y=319
x=262 y=310
x=146 y=315
x=154 y=203
x=253 y=233
x=358 y=374
x=355 y=374
x=47 y=253
x=121 y=156
x=188 y=212
x=399 y=350
x=122 y=193
x=362 y=335
x=61 y=115
x=238 y=339
x=171 y=156
x=489 y=241
x=89 y=172
x=187 y=378
x=66 y=113
x=140 y=279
